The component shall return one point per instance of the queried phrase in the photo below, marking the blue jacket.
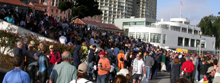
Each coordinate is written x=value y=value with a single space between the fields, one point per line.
x=76 y=59
x=10 y=19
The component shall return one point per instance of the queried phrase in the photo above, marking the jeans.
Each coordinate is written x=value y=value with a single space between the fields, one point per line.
x=201 y=76
x=50 y=69
x=196 y=75
x=148 y=72
x=91 y=71
x=188 y=76
x=155 y=74
x=175 y=78
x=102 y=79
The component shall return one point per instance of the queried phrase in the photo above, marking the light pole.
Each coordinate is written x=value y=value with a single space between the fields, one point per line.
x=200 y=34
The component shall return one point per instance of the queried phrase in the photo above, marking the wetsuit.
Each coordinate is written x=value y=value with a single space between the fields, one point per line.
x=43 y=63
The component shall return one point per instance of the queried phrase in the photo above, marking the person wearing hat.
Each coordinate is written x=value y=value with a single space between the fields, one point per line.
x=82 y=74
x=104 y=67
x=54 y=57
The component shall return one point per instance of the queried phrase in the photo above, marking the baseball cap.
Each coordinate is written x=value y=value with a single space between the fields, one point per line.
x=83 y=67
x=102 y=53
x=123 y=72
x=51 y=46
x=210 y=69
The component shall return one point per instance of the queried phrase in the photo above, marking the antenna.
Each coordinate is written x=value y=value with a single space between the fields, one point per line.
x=171 y=15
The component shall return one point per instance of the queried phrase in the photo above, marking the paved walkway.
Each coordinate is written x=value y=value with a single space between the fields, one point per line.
x=162 y=77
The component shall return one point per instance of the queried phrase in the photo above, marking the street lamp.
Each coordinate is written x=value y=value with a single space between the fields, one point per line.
x=200 y=34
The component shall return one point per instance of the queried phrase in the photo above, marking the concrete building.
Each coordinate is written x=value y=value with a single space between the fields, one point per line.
x=173 y=34
x=144 y=8
x=50 y=7
x=113 y=9
x=126 y=23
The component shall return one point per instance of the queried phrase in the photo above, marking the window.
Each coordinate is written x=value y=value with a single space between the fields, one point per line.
x=175 y=28
x=186 y=43
x=126 y=23
x=139 y=23
x=184 y=30
x=51 y=10
x=60 y=12
x=192 y=43
x=203 y=42
x=186 y=22
x=155 y=38
x=197 y=43
x=164 y=38
x=45 y=10
x=138 y=35
x=146 y=36
x=180 y=41
x=133 y=23
x=64 y=12
x=190 y=31
x=94 y=17
x=196 y=32
x=56 y=11
x=131 y=34
x=164 y=26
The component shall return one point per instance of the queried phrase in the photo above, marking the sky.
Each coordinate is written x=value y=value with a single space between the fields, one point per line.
x=195 y=10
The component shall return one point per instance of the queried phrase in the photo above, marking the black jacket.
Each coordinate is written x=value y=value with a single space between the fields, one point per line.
x=91 y=55
x=30 y=57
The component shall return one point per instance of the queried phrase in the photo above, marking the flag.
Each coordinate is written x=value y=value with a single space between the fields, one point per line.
x=181 y=3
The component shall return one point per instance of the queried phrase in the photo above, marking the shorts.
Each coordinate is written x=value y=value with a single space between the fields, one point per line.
x=137 y=76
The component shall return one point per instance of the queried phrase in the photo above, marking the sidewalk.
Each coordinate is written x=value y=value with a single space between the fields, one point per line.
x=162 y=77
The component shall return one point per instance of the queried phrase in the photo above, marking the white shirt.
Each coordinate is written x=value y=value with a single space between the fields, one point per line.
x=82 y=80
x=140 y=66
x=63 y=39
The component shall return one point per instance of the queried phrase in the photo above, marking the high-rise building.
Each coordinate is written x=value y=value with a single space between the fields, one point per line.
x=112 y=9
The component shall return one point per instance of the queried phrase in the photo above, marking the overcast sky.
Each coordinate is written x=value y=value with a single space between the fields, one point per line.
x=193 y=9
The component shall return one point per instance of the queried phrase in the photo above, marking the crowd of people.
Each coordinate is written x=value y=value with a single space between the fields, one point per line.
x=110 y=56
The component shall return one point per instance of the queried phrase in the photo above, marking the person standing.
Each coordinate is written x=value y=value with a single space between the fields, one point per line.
x=91 y=61
x=175 y=70
x=121 y=59
x=188 y=68
x=63 y=72
x=17 y=75
x=163 y=60
x=82 y=74
x=149 y=62
x=138 y=68
x=103 y=68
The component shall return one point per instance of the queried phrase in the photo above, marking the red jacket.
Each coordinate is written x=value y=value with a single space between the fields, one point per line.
x=55 y=58
x=189 y=67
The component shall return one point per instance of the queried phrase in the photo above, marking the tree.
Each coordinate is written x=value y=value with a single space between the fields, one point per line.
x=210 y=25
x=81 y=8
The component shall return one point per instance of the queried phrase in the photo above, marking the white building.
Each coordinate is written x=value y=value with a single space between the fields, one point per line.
x=125 y=23
x=113 y=9
x=173 y=34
